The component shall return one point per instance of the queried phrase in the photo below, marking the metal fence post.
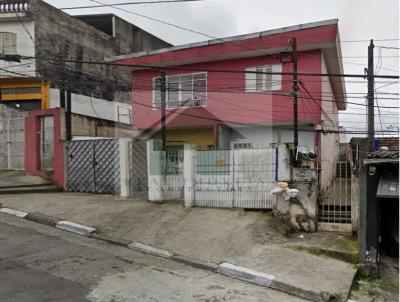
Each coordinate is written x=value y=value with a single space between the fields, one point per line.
x=189 y=174
x=9 y=145
x=124 y=166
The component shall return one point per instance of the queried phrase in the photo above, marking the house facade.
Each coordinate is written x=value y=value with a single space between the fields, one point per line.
x=214 y=99
x=52 y=45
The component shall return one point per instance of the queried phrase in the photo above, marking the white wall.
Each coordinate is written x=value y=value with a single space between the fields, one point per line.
x=329 y=142
x=94 y=107
x=25 y=31
x=264 y=135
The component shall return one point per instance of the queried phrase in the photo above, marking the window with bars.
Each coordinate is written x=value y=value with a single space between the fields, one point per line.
x=260 y=79
x=185 y=90
x=242 y=146
x=8 y=43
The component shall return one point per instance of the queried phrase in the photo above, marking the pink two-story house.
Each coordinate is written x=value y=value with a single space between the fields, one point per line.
x=213 y=102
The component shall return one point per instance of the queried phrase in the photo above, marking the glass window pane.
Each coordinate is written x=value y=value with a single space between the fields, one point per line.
x=187 y=89
x=173 y=91
x=200 y=89
x=259 y=79
x=157 y=93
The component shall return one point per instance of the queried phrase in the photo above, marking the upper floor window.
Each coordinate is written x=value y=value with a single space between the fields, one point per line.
x=8 y=43
x=185 y=90
x=260 y=79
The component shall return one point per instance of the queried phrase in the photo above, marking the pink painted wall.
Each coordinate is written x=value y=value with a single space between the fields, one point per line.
x=227 y=100
x=32 y=145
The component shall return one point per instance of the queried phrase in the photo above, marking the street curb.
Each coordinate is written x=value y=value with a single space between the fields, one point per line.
x=225 y=269
x=211 y=267
x=42 y=219
x=245 y=274
x=120 y=242
x=13 y=212
x=272 y=282
x=137 y=246
x=76 y=228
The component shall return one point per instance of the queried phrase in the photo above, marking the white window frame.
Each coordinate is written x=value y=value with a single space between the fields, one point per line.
x=14 y=36
x=251 y=78
x=180 y=91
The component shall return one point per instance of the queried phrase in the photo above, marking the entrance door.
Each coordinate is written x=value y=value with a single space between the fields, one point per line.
x=46 y=142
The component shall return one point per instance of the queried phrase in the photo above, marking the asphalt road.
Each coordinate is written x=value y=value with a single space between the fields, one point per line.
x=40 y=263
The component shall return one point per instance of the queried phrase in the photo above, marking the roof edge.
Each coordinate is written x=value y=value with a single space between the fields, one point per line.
x=224 y=40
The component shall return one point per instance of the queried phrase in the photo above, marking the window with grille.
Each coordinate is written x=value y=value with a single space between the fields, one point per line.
x=242 y=145
x=259 y=79
x=186 y=90
x=8 y=43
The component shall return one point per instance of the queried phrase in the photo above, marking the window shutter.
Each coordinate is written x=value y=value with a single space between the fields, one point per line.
x=277 y=78
x=250 y=79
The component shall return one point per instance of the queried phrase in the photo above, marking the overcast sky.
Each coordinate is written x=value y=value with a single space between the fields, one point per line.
x=358 y=20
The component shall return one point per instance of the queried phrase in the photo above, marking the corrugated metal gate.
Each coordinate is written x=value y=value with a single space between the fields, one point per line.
x=239 y=178
x=93 y=166
x=138 y=180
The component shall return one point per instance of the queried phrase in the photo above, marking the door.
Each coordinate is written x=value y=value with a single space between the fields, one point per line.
x=46 y=142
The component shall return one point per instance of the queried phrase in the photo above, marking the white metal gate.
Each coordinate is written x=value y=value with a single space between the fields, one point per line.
x=239 y=178
x=12 y=143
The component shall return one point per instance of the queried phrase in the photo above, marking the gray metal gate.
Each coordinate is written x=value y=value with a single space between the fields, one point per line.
x=335 y=205
x=138 y=180
x=93 y=166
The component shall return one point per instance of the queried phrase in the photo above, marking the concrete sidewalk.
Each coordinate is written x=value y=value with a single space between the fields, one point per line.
x=254 y=240
x=19 y=178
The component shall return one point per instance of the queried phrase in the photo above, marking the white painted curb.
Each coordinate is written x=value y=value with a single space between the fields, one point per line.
x=245 y=274
x=75 y=228
x=150 y=250
x=13 y=212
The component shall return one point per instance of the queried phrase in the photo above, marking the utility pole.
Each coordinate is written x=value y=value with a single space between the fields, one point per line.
x=163 y=86
x=68 y=117
x=62 y=98
x=295 y=88
x=371 y=113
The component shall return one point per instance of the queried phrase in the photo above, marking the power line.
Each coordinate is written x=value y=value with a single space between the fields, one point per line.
x=250 y=124
x=128 y=3
x=155 y=67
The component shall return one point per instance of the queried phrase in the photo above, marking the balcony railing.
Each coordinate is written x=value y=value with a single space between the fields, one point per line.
x=14 y=6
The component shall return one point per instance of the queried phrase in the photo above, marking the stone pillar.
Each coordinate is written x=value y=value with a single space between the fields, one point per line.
x=189 y=174
x=124 y=166
x=283 y=163
x=156 y=177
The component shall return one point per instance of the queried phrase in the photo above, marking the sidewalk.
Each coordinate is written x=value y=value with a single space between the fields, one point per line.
x=254 y=240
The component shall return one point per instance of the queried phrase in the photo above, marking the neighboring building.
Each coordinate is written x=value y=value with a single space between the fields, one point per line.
x=246 y=109
x=379 y=207
x=53 y=44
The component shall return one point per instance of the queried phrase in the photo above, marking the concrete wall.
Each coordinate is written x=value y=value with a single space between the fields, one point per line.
x=329 y=141
x=94 y=107
x=58 y=35
x=93 y=127
x=126 y=35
